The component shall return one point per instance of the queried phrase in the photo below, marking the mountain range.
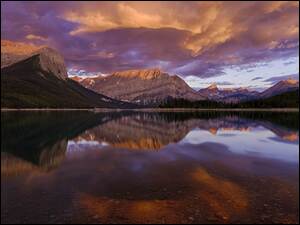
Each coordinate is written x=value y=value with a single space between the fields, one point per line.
x=154 y=86
x=36 y=77
x=144 y=86
x=39 y=80
x=228 y=95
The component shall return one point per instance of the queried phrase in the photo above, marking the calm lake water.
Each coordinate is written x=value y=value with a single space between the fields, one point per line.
x=130 y=167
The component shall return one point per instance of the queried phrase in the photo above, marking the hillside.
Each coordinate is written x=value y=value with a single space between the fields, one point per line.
x=40 y=81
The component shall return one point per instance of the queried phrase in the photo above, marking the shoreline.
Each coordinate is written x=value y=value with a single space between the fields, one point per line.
x=156 y=109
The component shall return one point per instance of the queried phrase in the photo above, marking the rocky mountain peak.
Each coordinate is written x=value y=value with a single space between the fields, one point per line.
x=144 y=74
x=281 y=87
x=242 y=89
x=76 y=78
x=291 y=81
x=213 y=86
x=142 y=86
x=51 y=61
x=287 y=83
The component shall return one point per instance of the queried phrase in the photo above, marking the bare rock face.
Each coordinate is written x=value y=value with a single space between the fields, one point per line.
x=49 y=60
x=142 y=86
x=145 y=74
x=76 y=78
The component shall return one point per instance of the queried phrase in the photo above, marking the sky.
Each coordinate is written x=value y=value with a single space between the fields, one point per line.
x=232 y=44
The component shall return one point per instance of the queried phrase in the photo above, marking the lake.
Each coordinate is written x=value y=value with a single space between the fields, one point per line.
x=149 y=167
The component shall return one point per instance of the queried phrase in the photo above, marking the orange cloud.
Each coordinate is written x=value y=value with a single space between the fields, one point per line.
x=35 y=37
x=187 y=38
x=209 y=23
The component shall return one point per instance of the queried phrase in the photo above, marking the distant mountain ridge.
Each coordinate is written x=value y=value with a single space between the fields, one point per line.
x=152 y=85
x=145 y=86
x=280 y=87
x=229 y=95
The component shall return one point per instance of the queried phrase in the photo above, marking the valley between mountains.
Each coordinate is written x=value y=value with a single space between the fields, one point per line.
x=36 y=77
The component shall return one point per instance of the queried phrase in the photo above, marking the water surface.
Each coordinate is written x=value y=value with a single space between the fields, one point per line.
x=131 y=167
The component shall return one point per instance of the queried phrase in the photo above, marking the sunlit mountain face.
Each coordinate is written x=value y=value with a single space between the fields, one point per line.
x=232 y=44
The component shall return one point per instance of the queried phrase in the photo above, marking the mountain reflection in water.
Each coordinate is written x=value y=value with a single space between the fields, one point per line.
x=133 y=167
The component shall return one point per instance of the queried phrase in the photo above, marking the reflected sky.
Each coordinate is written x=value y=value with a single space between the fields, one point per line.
x=134 y=167
x=257 y=141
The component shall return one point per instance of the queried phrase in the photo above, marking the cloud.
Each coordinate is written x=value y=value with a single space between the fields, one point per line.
x=35 y=37
x=198 y=83
x=276 y=79
x=223 y=83
x=289 y=63
x=83 y=73
x=257 y=78
x=188 y=38
x=210 y=24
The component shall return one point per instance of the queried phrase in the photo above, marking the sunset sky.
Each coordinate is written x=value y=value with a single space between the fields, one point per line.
x=249 y=44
